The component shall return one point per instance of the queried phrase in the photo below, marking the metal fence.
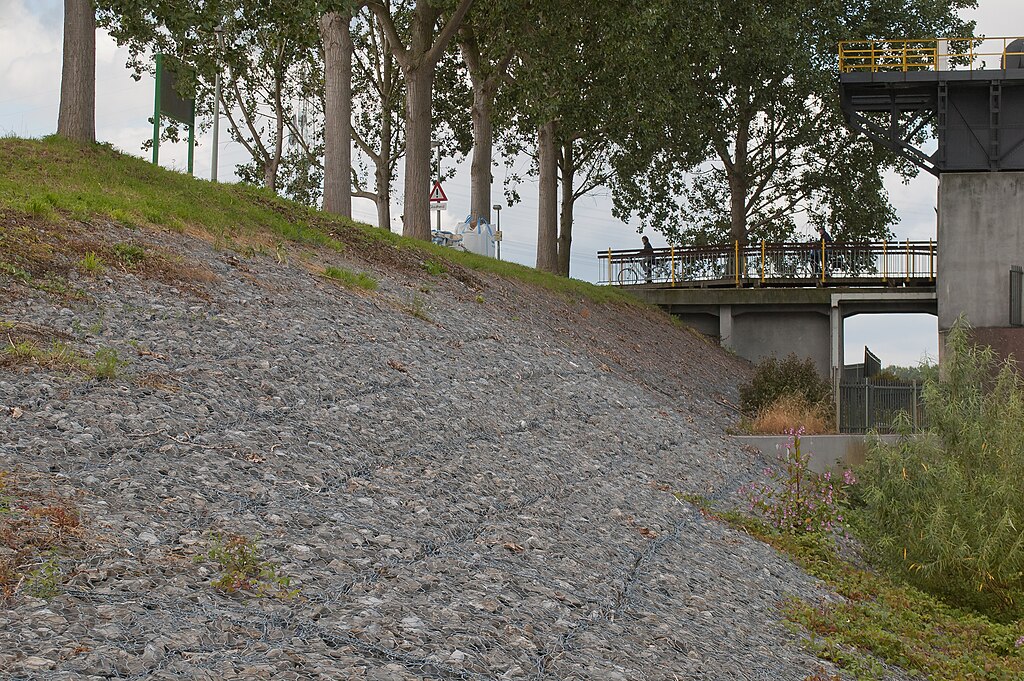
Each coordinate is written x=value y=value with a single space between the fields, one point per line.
x=1017 y=296
x=873 y=405
x=780 y=264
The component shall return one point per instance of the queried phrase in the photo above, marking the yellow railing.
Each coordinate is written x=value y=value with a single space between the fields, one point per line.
x=929 y=54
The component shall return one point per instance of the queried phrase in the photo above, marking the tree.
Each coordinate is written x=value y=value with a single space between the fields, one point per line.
x=487 y=48
x=417 y=61
x=761 y=84
x=378 y=124
x=77 y=117
x=335 y=32
x=564 y=92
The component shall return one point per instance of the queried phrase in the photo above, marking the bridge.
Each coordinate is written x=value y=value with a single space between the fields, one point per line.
x=781 y=298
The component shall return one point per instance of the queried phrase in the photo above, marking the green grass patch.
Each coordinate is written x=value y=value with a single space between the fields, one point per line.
x=129 y=255
x=435 y=268
x=95 y=180
x=91 y=263
x=351 y=279
x=53 y=177
x=885 y=619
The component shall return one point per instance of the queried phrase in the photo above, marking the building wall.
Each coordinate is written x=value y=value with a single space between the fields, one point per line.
x=980 y=235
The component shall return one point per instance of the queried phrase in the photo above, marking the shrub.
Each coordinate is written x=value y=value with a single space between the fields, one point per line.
x=791 y=412
x=243 y=568
x=775 y=378
x=946 y=508
x=795 y=499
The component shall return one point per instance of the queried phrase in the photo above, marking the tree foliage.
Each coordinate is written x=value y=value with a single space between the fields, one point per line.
x=744 y=138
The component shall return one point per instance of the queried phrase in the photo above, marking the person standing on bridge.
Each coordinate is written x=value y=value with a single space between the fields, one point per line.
x=647 y=253
x=824 y=239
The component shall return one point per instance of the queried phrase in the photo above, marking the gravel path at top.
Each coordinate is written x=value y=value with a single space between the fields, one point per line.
x=465 y=479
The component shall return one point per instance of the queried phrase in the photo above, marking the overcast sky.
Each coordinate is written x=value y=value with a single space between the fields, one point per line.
x=30 y=63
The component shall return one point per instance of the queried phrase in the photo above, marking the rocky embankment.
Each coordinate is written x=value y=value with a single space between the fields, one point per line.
x=450 y=477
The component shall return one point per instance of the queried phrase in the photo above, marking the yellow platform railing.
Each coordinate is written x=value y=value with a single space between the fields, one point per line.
x=928 y=54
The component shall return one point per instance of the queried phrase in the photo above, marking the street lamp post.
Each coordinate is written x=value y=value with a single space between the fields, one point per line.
x=437 y=145
x=497 y=209
x=218 y=31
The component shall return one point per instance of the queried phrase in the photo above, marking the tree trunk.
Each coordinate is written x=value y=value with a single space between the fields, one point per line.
x=738 y=181
x=419 y=84
x=382 y=174
x=270 y=169
x=483 y=143
x=547 y=214
x=77 y=117
x=336 y=35
x=568 y=199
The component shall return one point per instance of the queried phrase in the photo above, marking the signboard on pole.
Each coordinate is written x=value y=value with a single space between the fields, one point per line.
x=437 y=194
x=438 y=205
x=169 y=102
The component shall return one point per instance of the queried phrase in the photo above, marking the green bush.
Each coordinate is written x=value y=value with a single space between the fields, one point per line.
x=775 y=378
x=946 y=508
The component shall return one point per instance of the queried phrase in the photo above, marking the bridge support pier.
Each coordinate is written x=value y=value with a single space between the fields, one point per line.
x=981 y=229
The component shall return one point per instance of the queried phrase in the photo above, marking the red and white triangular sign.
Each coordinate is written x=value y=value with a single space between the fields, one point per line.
x=437 y=193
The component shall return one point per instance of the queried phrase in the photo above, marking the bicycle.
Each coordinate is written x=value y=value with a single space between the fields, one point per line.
x=631 y=272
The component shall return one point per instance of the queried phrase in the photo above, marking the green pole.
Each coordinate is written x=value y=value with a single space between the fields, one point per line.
x=156 y=111
x=192 y=138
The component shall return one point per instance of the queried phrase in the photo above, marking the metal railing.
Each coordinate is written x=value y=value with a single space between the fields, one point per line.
x=873 y=405
x=929 y=54
x=784 y=264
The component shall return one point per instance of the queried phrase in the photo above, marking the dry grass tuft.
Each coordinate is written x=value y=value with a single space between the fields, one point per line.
x=35 y=527
x=790 y=412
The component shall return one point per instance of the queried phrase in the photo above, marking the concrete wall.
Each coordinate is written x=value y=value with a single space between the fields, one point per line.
x=826 y=451
x=757 y=335
x=981 y=234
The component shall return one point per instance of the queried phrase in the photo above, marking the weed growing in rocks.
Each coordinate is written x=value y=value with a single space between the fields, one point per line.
x=796 y=499
x=91 y=263
x=129 y=255
x=351 y=279
x=106 y=363
x=243 y=568
x=417 y=308
x=435 y=268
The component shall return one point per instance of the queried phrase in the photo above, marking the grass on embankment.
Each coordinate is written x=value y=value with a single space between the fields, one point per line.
x=883 y=618
x=53 y=179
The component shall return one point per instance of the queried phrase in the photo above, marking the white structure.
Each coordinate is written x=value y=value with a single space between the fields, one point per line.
x=477 y=236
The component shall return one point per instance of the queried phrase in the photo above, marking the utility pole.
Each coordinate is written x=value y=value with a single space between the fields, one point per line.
x=497 y=209
x=218 y=32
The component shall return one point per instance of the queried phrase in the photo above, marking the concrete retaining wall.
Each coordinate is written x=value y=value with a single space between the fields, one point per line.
x=827 y=451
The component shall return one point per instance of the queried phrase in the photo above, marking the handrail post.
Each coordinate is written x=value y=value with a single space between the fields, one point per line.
x=823 y=261
x=762 y=261
x=736 y=252
x=931 y=261
x=907 y=278
x=672 y=254
x=885 y=260
x=610 y=278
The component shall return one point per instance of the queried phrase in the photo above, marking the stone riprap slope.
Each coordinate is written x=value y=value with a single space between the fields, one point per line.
x=462 y=478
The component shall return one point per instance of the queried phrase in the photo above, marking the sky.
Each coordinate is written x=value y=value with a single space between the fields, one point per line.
x=30 y=65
